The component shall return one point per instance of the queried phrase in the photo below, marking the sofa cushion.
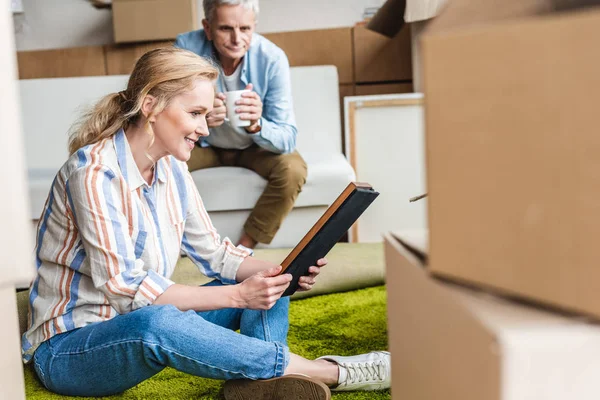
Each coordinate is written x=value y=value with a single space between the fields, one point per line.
x=327 y=177
x=49 y=107
x=39 y=182
x=316 y=99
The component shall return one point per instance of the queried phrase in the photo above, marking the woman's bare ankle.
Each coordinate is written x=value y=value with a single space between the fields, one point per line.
x=334 y=372
x=322 y=370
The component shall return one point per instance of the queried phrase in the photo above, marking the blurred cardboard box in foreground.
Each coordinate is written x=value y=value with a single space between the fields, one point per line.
x=454 y=343
x=512 y=91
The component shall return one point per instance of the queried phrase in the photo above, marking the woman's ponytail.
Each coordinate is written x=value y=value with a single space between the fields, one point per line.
x=102 y=121
x=163 y=73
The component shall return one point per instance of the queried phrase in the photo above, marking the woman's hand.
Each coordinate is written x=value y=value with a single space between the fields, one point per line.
x=305 y=283
x=261 y=290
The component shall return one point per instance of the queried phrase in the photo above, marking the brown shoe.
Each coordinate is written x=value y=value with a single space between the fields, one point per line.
x=288 y=387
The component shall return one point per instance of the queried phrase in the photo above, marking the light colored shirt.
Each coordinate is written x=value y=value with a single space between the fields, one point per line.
x=107 y=242
x=265 y=66
x=233 y=81
x=230 y=136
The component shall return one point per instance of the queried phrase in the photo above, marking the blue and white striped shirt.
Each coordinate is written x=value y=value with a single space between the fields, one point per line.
x=107 y=242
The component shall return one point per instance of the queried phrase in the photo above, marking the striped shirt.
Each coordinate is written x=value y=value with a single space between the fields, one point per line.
x=107 y=242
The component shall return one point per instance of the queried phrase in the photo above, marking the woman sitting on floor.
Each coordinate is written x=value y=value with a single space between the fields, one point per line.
x=104 y=315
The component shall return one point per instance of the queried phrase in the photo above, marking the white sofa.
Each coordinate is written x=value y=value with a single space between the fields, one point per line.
x=50 y=106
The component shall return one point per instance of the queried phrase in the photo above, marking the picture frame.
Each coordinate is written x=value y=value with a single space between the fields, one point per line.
x=384 y=142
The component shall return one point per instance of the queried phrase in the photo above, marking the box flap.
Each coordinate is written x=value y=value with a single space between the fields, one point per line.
x=417 y=241
x=420 y=10
x=389 y=19
x=392 y=16
x=463 y=13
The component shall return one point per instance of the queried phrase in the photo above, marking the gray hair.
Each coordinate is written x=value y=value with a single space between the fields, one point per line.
x=211 y=5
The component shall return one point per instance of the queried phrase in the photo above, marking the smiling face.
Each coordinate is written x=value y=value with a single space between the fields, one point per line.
x=179 y=126
x=230 y=29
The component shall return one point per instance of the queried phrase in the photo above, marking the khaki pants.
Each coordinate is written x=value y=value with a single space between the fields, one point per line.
x=285 y=174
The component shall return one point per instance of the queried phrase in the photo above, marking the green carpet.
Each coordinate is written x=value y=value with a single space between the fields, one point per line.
x=342 y=324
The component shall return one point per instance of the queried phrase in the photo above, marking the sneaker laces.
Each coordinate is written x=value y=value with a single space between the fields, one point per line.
x=359 y=372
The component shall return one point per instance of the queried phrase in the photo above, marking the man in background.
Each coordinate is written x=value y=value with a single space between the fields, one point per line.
x=267 y=146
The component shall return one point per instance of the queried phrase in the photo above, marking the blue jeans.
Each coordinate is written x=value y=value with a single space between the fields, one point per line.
x=109 y=357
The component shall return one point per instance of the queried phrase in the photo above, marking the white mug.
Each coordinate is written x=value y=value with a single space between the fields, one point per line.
x=231 y=98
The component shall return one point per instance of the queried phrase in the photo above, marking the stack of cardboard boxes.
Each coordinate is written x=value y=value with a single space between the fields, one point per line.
x=513 y=173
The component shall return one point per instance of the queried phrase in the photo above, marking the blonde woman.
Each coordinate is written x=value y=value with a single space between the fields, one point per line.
x=104 y=314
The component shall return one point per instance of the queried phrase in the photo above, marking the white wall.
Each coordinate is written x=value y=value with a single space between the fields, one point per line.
x=51 y=24
x=290 y=15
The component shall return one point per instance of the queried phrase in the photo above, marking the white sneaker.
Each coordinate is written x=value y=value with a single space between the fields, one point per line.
x=371 y=371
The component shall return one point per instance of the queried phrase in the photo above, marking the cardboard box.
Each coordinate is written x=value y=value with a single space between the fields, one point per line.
x=392 y=17
x=512 y=93
x=381 y=59
x=62 y=63
x=146 y=20
x=421 y=10
x=393 y=14
x=120 y=59
x=452 y=343
x=318 y=47
x=383 y=88
x=418 y=15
